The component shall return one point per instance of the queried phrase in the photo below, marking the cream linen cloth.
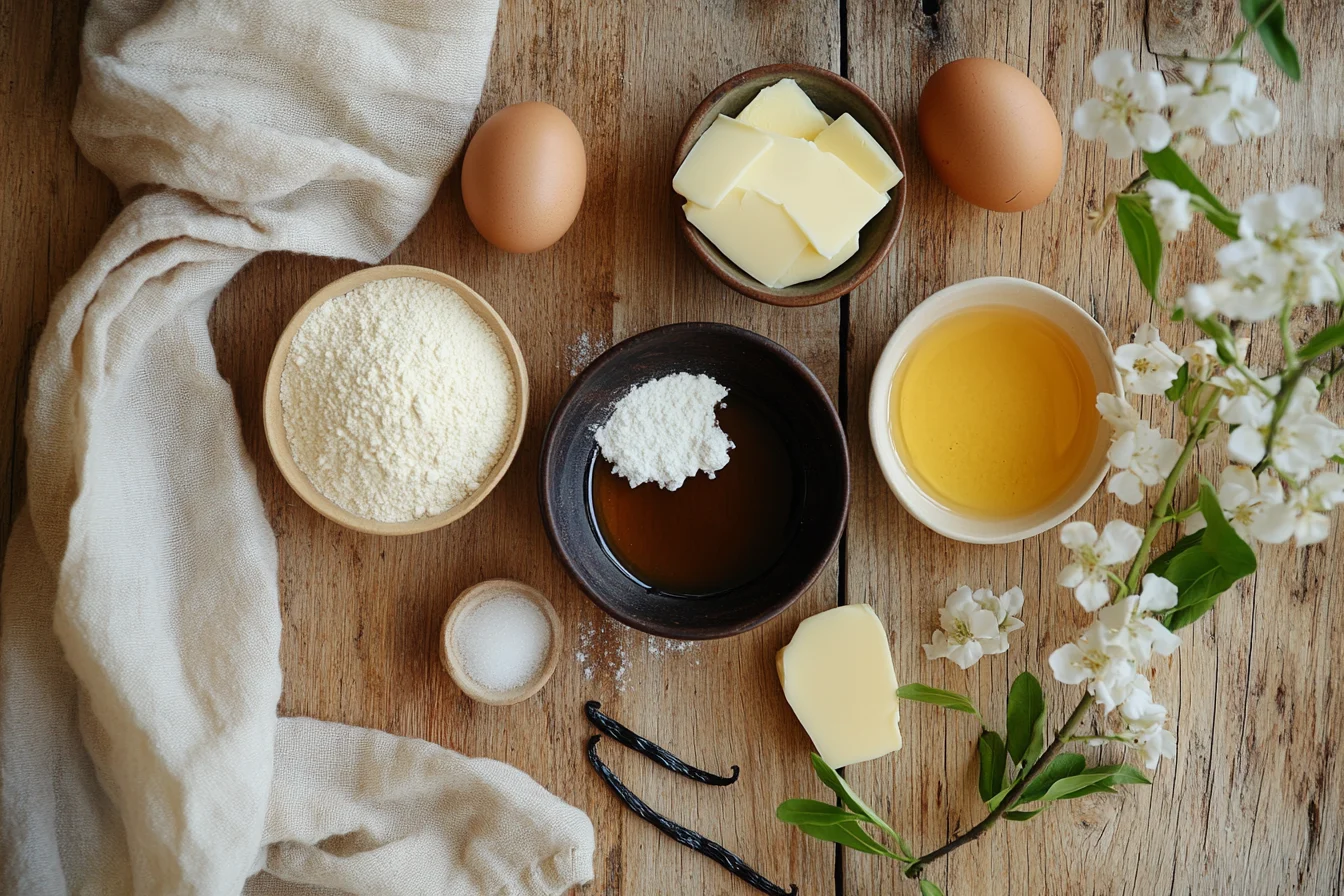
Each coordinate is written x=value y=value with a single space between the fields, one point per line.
x=139 y=616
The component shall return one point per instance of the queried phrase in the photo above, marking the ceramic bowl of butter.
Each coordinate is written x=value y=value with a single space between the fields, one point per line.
x=983 y=410
x=729 y=546
x=789 y=183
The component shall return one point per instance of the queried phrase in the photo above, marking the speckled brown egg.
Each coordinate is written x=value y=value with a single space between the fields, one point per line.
x=990 y=134
x=523 y=176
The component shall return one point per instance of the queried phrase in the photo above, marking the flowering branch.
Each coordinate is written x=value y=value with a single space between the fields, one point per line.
x=1280 y=257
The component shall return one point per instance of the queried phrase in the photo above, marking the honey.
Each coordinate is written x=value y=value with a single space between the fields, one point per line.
x=992 y=412
x=710 y=535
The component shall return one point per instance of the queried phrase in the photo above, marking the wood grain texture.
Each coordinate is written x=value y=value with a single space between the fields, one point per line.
x=1254 y=802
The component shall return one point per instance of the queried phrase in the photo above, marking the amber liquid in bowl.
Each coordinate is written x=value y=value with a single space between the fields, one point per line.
x=993 y=412
x=710 y=535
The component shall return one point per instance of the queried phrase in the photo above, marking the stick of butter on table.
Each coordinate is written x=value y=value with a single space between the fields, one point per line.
x=838 y=677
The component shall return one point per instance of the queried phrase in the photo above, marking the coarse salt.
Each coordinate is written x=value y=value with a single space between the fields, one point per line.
x=665 y=431
x=503 y=642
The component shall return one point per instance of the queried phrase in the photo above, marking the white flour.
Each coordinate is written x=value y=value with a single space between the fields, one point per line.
x=584 y=350
x=664 y=431
x=398 y=399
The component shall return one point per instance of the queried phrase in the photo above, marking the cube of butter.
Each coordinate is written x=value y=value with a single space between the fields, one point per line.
x=718 y=160
x=783 y=108
x=838 y=677
x=846 y=139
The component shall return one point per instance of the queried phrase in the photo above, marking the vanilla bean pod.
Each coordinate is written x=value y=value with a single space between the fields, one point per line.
x=684 y=836
x=624 y=736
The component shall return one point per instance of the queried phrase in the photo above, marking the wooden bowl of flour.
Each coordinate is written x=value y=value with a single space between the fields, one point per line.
x=273 y=412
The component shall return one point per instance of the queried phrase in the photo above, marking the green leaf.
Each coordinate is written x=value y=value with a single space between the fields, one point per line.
x=1026 y=719
x=993 y=759
x=831 y=778
x=1094 y=780
x=1322 y=343
x=922 y=693
x=1220 y=539
x=1203 y=564
x=813 y=812
x=1166 y=164
x=1025 y=814
x=1141 y=238
x=1182 y=382
x=848 y=834
x=1273 y=34
x=929 y=888
x=1065 y=765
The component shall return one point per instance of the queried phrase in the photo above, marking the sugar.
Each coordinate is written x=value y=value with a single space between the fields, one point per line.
x=503 y=642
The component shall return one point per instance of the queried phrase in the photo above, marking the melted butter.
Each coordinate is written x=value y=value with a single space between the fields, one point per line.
x=993 y=411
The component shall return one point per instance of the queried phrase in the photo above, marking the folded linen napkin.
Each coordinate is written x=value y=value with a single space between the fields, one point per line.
x=139 y=675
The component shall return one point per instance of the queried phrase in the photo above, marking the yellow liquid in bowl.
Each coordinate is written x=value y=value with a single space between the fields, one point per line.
x=993 y=412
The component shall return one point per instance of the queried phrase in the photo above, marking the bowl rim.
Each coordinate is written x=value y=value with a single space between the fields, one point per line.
x=473 y=596
x=546 y=479
x=697 y=240
x=899 y=480
x=273 y=422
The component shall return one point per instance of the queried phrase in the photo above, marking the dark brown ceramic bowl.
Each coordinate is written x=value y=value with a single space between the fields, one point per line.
x=750 y=366
x=835 y=96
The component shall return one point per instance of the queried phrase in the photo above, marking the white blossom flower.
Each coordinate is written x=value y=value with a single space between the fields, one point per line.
x=1221 y=99
x=1278 y=262
x=1144 y=458
x=1170 y=206
x=1144 y=724
x=1202 y=357
x=1128 y=116
x=1093 y=557
x=1104 y=665
x=1305 y=515
x=1242 y=495
x=1147 y=365
x=1128 y=623
x=1122 y=415
x=975 y=624
x=1303 y=440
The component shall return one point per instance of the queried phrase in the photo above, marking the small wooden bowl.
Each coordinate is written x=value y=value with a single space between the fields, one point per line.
x=474 y=597
x=274 y=420
x=835 y=96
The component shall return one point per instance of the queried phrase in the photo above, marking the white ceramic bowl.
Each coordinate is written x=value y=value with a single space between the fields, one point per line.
x=1076 y=322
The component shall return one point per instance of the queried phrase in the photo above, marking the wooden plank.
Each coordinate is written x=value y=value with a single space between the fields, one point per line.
x=1252 y=803
x=53 y=205
x=362 y=614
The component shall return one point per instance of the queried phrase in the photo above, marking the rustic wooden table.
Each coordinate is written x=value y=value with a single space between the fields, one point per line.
x=1254 y=802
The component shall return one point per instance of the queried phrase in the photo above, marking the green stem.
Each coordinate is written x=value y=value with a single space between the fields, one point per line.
x=1246 y=32
x=1286 y=390
x=1250 y=375
x=1163 y=504
x=975 y=833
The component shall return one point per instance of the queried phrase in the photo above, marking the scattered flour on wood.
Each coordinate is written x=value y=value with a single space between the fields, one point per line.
x=602 y=652
x=584 y=350
x=398 y=399
x=664 y=431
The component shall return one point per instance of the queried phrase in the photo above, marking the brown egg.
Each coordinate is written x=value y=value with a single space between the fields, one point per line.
x=990 y=134
x=523 y=176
